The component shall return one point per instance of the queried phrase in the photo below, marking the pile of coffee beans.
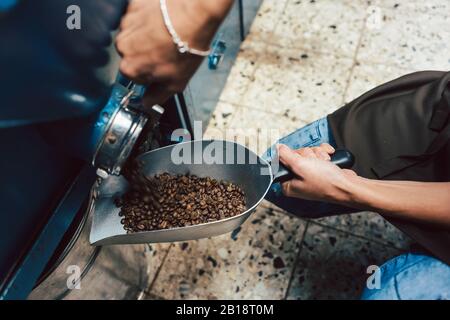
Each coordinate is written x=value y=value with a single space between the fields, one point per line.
x=169 y=201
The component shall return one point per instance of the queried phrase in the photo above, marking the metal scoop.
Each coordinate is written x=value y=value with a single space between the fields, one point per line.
x=221 y=160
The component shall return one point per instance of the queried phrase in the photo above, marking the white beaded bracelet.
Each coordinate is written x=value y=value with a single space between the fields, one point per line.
x=182 y=46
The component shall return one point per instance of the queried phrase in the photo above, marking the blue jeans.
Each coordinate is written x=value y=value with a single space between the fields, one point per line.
x=409 y=276
x=412 y=277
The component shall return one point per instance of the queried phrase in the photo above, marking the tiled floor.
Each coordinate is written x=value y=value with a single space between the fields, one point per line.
x=302 y=60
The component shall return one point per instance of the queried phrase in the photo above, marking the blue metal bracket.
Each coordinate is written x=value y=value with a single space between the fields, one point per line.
x=217 y=53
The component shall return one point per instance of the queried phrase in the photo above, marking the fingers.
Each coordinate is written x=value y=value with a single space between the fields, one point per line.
x=315 y=177
x=290 y=159
x=306 y=152
x=319 y=152
x=286 y=188
x=327 y=148
x=288 y=156
x=349 y=173
x=133 y=72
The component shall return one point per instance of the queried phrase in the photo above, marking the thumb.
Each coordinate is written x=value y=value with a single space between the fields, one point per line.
x=289 y=158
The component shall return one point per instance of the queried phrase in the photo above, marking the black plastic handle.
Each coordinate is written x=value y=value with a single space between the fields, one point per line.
x=341 y=157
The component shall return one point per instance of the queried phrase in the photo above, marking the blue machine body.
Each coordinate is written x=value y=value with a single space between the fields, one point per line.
x=56 y=94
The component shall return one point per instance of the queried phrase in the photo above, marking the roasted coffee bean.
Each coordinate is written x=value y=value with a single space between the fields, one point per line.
x=169 y=201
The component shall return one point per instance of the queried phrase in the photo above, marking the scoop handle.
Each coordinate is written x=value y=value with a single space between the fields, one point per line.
x=341 y=157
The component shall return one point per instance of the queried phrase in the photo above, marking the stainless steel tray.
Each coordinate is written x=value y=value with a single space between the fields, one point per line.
x=106 y=227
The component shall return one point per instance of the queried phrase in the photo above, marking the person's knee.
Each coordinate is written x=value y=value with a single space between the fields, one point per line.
x=411 y=276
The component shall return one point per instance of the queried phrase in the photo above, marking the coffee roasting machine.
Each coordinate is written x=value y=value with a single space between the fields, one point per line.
x=67 y=121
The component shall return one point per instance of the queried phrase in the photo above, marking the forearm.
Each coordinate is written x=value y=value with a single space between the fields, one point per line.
x=201 y=18
x=422 y=201
x=217 y=8
x=318 y=179
x=149 y=55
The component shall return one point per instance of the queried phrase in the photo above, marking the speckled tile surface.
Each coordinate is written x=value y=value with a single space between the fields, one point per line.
x=267 y=18
x=371 y=226
x=408 y=38
x=258 y=130
x=332 y=264
x=325 y=26
x=415 y=6
x=252 y=263
x=302 y=84
x=220 y=119
x=241 y=75
x=365 y=77
x=223 y=115
x=155 y=253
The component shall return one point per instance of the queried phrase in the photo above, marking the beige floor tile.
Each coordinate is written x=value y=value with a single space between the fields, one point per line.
x=267 y=18
x=366 y=76
x=118 y=273
x=305 y=85
x=220 y=119
x=270 y=205
x=155 y=253
x=408 y=38
x=327 y=26
x=333 y=264
x=252 y=263
x=365 y=224
x=371 y=226
x=258 y=130
x=415 y=6
x=223 y=115
x=241 y=74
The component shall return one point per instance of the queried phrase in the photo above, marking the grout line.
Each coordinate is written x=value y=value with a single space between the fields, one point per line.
x=322 y=53
x=336 y=229
x=270 y=41
x=296 y=261
x=355 y=55
x=150 y=287
x=408 y=67
x=272 y=32
x=258 y=55
x=385 y=244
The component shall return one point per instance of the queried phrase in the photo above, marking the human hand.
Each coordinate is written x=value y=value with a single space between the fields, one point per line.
x=319 y=179
x=316 y=177
x=149 y=55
